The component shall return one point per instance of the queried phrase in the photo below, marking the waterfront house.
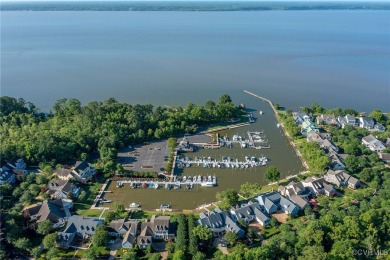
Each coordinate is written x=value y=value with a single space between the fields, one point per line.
x=325 y=119
x=341 y=178
x=366 y=122
x=159 y=227
x=78 y=226
x=249 y=213
x=372 y=143
x=129 y=240
x=318 y=186
x=57 y=211
x=120 y=227
x=62 y=189
x=300 y=117
x=308 y=127
x=220 y=222
x=273 y=201
x=145 y=237
x=346 y=120
x=81 y=171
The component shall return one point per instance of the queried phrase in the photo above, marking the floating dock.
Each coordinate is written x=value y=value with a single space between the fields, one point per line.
x=226 y=162
x=188 y=182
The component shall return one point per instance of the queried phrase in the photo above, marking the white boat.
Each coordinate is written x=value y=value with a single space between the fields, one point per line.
x=207 y=184
x=261 y=112
x=134 y=205
x=156 y=185
x=164 y=206
x=278 y=125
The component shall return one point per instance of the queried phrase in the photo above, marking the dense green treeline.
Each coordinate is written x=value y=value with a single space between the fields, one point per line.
x=71 y=129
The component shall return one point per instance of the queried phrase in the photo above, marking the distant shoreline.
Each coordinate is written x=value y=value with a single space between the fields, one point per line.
x=208 y=6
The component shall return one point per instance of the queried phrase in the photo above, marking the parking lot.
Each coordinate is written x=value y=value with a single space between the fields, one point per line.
x=146 y=158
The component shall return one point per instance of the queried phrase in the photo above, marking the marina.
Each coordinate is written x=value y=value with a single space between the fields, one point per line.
x=225 y=162
x=189 y=195
x=256 y=140
x=178 y=183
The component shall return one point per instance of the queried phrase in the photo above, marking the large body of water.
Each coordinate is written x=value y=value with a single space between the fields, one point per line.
x=295 y=58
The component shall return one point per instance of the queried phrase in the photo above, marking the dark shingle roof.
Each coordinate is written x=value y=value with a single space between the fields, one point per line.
x=80 y=166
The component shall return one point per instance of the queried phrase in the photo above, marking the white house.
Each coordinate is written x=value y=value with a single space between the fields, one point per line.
x=366 y=122
x=372 y=143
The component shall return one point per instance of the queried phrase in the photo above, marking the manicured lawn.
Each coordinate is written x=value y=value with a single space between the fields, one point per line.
x=83 y=206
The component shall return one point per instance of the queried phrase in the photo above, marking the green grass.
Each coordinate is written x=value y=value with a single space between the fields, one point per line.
x=269 y=232
x=83 y=206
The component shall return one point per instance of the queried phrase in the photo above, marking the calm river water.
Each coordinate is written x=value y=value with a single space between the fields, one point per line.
x=295 y=58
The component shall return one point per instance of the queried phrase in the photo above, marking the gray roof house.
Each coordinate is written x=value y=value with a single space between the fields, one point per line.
x=297 y=193
x=57 y=211
x=366 y=122
x=341 y=178
x=300 y=117
x=325 y=119
x=249 y=213
x=146 y=236
x=273 y=201
x=78 y=226
x=120 y=227
x=337 y=161
x=318 y=186
x=379 y=127
x=62 y=189
x=129 y=240
x=17 y=164
x=7 y=175
x=159 y=227
x=346 y=120
x=372 y=143
x=329 y=145
x=220 y=222
x=81 y=171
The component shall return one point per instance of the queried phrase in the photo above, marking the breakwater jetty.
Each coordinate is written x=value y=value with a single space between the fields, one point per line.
x=298 y=153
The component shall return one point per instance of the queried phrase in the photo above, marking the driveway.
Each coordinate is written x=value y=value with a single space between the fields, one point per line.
x=221 y=245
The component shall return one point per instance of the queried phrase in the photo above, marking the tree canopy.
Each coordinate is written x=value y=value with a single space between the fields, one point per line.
x=272 y=174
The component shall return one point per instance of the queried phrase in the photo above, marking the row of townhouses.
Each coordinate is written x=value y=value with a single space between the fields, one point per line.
x=288 y=199
x=307 y=125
